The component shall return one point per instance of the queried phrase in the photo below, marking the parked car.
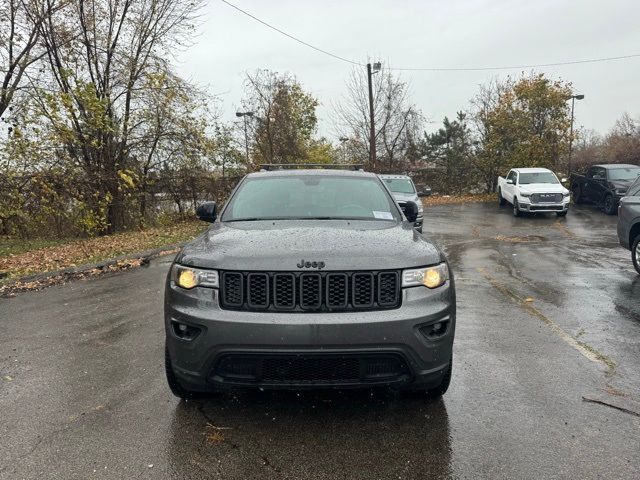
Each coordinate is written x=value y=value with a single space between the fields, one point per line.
x=629 y=222
x=535 y=190
x=403 y=190
x=309 y=278
x=604 y=185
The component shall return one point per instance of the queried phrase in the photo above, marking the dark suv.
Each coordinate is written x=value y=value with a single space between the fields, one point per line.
x=309 y=278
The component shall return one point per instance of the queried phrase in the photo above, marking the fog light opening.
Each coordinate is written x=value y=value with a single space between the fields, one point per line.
x=184 y=331
x=435 y=330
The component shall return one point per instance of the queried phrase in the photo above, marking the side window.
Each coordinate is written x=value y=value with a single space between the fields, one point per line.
x=599 y=174
x=512 y=176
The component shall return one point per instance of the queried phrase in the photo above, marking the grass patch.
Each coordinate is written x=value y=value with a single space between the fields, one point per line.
x=19 y=258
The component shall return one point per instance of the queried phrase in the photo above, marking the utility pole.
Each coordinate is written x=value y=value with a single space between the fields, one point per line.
x=573 y=102
x=372 y=132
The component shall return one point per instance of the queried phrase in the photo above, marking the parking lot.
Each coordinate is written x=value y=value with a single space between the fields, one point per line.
x=548 y=313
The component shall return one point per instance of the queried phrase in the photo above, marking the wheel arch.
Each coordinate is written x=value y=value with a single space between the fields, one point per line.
x=634 y=232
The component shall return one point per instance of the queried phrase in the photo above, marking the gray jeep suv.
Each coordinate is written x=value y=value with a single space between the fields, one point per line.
x=629 y=222
x=309 y=278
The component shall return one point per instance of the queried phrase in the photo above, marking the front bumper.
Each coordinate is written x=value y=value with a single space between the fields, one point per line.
x=302 y=337
x=526 y=206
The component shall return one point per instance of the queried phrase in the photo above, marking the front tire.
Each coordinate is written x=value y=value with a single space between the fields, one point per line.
x=577 y=194
x=562 y=214
x=635 y=253
x=516 y=208
x=174 y=384
x=501 y=200
x=609 y=205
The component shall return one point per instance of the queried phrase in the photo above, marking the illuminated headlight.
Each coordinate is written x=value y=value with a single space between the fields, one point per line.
x=524 y=194
x=187 y=277
x=430 y=277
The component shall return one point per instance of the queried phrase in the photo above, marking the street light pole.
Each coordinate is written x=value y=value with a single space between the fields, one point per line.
x=372 y=131
x=573 y=102
x=244 y=116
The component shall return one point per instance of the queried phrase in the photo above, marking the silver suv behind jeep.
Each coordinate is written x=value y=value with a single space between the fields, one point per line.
x=404 y=190
x=309 y=278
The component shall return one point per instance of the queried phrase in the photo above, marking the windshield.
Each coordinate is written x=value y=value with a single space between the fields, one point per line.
x=630 y=173
x=399 y=185
x=311 y=197
x=537 y=177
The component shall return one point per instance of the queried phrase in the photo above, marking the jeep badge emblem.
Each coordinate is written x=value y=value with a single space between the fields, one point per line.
x=305 y=264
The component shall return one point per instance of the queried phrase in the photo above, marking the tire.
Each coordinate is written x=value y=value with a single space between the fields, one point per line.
x=516 y=208
x=576 y=193
x=501 y=200
x=635 y=253
x=609 y=205
x=174 y=384
x=562 y=214
x=440 y=390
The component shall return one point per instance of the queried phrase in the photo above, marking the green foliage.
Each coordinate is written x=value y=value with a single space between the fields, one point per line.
x=526 y=126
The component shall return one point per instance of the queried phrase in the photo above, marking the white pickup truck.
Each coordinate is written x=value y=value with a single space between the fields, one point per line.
x=533 y=190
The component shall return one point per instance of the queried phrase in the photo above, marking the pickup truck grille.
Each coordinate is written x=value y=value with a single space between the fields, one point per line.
x=546 y=198
x=310 y=291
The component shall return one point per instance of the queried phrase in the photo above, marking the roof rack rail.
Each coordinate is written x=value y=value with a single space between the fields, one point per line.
x=266 y=167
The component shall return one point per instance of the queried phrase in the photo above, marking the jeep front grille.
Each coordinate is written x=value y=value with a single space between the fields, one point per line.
x=310 y=291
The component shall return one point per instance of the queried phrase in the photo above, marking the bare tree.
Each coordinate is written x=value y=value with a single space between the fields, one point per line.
x=20 y=24
x=397 y=121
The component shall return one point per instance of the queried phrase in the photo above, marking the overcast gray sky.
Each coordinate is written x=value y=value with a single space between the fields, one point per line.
x=449 y=34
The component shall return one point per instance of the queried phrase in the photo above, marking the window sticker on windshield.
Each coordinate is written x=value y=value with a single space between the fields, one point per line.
x=383 y=215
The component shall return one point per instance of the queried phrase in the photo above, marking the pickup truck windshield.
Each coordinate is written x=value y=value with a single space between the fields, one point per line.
x=310 y=197
x=400 y=185
x=624 y=173
x=537 y=177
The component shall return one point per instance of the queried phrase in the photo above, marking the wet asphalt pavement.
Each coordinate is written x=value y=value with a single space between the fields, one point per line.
x=548 y=311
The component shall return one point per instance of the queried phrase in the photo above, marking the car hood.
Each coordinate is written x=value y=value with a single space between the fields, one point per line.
x=405 y=197
x=281 y=245
x=622 y=184
x=543 y=188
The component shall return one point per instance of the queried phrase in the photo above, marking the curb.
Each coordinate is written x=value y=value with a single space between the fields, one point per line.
x=39 y=281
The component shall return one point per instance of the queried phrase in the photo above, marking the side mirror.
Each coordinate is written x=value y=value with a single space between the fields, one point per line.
x=207 y=212
x=425 y=192
x=411 y=211
x=509 y=181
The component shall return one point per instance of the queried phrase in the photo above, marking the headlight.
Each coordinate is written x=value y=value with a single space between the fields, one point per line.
x=523 y=194
x=621 y=191
x=566 y=194
x=430 y=277
x=187 y=277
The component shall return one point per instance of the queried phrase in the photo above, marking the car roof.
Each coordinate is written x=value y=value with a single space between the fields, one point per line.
x=312 y=171
x=609 y=166
x=531 y=170
x=397 y=177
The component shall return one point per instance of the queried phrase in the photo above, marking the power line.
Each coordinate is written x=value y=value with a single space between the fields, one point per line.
x=294 y=38
x=434 y=69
